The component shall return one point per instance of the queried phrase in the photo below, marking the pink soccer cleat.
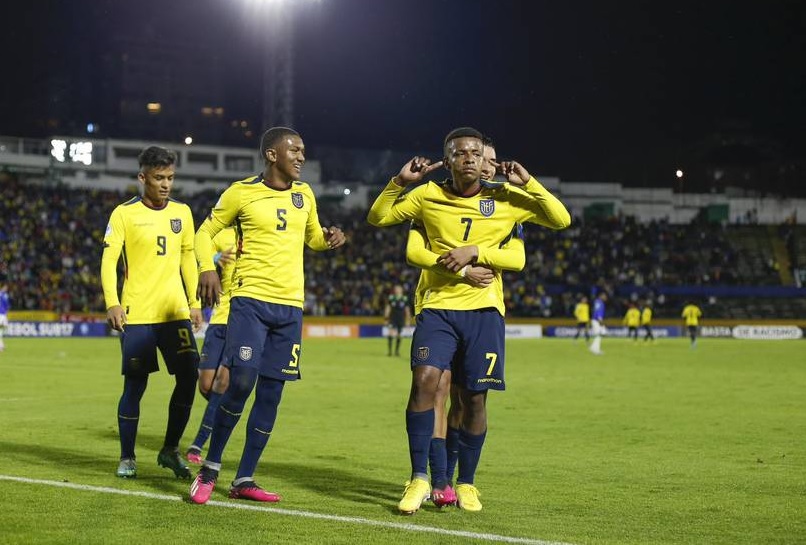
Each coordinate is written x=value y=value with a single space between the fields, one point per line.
x=193 y=456
x=203 y=485
x=251 y=491
x=443 y=497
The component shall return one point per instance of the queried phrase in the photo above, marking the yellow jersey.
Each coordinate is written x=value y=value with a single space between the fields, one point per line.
x=582 y=313
x=691 y=314
x=511 y=256
x=485 y=219
x=271 y=228
x=646 y=316
x=632 y=318
x=160 y=276
x=224 y=241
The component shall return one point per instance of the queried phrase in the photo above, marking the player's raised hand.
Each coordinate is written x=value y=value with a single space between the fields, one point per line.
x=456 y=259
x=116 y=318
x=334 y=237
x=209 y=288
x=415 y=170
x=479 y=276
x=514 y=172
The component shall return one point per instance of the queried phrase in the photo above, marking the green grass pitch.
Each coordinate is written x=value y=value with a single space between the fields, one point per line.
x=644 y=445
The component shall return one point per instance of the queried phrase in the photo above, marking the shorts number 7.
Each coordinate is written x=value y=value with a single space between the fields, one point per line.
x=493 y=357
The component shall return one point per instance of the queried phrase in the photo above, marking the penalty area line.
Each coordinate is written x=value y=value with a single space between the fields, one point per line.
x=288 y=512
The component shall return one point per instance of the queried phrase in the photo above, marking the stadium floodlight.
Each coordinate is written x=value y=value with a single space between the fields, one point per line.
x=81 y=152
x=347 y=191
x=678 y=173
x=58 y=149
x=188 y=140
x=276 y=19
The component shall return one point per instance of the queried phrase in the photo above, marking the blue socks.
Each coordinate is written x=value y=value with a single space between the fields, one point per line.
x=452 y=452
x=242 y=381
x=260 y=425
x=213 y=400
x=129 y=413
x=179 y=408
x=420 y=428
x=438 y=460
x=469 y=454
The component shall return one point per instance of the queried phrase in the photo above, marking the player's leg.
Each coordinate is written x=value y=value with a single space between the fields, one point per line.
x=279 y=363
x=398 y=337
x=441 y=491
x=483 y=337
x=178 y=347
x=3 y=325
x=454 y=425
x=211 y=356
x=596 y=331
x=432 y=350
x=139 y=352
x=246 y=336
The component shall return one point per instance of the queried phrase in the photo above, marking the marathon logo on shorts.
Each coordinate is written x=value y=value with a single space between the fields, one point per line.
x=486 y=207
x=423 y=353
x=176 y=225
x=245 y=353
x=296 y=200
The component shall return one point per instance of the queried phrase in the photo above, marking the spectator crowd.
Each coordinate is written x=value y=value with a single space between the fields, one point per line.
x=50 y=251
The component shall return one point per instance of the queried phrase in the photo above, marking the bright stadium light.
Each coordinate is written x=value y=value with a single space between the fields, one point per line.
x=188 y=140
x=81 y=152
x=58 y=149
x=678 y=173
x=347 y=191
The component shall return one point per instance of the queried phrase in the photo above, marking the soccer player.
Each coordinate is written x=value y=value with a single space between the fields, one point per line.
x=213 y=377
x=463 y=218
x=632 y=319
x=159 y=307
x=5 y=306
x=691 y=314
x=397 y=315
x=275 y=216
x=646 y=321
x=597 y=323
x=582 y=313
x=444 y=448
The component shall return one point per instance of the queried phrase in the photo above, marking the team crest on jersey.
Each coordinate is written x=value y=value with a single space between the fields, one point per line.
x=423 y=352
x=296 y=200
x=176 y=225
x=486 y=207
x=245 y=353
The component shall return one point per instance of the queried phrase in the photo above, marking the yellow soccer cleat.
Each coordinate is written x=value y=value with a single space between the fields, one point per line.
x=467 y=496
x=415 y=493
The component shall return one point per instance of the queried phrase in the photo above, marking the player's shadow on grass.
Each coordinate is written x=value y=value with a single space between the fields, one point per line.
x=77 y=463
x=332 y=482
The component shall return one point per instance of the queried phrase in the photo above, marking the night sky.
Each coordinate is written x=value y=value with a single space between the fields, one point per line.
x=622 y=91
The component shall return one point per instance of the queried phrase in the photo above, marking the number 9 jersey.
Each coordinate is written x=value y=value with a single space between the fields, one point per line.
x=156 y=245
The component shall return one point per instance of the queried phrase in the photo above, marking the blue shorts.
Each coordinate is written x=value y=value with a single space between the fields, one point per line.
x=264 y=336
x=469 y=342
x=213 y=347
x=175 y=340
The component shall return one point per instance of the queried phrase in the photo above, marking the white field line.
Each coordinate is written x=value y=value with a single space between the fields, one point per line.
x=289 y=512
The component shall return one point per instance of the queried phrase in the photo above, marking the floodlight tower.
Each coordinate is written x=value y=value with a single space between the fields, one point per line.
x=278 y=68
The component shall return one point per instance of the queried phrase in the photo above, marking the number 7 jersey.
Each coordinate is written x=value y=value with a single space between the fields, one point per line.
x=485 y=219
x=160 y=275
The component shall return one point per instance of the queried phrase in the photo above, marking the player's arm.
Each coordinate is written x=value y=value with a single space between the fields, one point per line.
x=509 y=256
x=419 y=255
x=190 y=272
x=113 y=245
x=392 y=207
x=547 y=210
x=222 y=215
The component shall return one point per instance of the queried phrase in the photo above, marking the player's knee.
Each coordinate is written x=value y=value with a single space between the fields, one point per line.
x=241 y=382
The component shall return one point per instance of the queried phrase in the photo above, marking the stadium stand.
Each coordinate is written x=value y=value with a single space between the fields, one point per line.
x=50 y=252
